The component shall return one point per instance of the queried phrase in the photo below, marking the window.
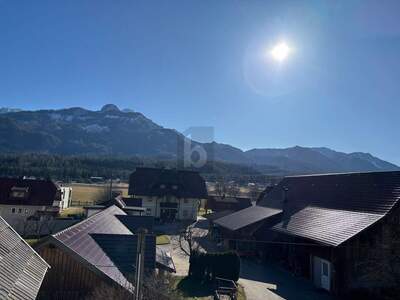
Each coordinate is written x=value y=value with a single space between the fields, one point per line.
x=185 y=200
x=20 y=210
x=185 y=213
x=174 y=187
x=162 y=186
x=325 y=268
x=19 y=192
x=148 y=211
x=26 y=211
x=13 y=210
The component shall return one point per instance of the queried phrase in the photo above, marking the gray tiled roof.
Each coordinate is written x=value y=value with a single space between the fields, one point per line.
x=333 y=208
x=133 y=223
x=21 y=269
x=373 y=192
x=327 y=226
x=246 y=217
x=106 y=241
x=122 y=250
x=78 y=239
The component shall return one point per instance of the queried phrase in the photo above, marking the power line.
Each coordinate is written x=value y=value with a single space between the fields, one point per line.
x=305 y=244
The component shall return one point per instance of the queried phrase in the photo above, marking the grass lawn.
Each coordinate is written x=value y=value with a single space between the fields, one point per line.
x=162 y=240
x=31 y=242
x=201 y=212
x=70 y=211
x=192 y=289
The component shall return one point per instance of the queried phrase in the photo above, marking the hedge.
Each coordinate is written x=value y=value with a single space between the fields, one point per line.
x=207 y=266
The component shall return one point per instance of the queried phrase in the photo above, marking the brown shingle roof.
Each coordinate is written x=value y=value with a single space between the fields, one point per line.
x=40 y=192
x=158 y=182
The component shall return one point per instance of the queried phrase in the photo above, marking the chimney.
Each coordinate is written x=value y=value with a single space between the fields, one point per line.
x=285 y=191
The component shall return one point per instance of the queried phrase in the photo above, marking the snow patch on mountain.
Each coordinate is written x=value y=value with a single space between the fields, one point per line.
x=55 y=116
x=95 y=128
x=112 y=117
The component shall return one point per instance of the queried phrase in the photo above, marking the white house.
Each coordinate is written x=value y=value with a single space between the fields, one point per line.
x=168 y=194
x=23 y=198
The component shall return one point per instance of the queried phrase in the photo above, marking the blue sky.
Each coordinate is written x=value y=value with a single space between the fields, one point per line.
x=206 y=63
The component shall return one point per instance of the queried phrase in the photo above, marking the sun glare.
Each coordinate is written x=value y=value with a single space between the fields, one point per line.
x=280 y=51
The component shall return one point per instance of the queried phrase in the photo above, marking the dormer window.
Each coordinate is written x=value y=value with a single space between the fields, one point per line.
x=19 y=192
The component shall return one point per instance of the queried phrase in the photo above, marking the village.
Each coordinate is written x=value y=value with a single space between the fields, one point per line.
x=199 y=150
x=167 y=234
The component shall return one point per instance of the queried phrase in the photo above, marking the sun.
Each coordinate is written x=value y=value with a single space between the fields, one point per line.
x=280 y=51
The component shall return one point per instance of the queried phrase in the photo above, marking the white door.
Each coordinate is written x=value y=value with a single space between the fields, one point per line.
x=325 y=274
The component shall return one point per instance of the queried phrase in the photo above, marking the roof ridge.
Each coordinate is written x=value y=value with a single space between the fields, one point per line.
x=86 y=220
x=340 y=173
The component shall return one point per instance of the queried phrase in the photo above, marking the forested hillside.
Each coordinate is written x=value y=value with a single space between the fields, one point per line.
x=81 y=168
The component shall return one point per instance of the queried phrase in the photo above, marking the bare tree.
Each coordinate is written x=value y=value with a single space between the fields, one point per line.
x=157 y=286
x=223 y=188
x=160 y=286
x=220 y=187
x=187 y=241
x=233 y=190
x=104 y=194
x=105 y=292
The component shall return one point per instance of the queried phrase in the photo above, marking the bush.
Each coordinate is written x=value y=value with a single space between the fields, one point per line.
x=207 y=266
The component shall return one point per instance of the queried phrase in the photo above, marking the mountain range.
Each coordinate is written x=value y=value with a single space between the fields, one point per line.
x=110 y=131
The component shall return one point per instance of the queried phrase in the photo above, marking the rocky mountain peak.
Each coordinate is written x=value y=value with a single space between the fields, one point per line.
x=109 y=108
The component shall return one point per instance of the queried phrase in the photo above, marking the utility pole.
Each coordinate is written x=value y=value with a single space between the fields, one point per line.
x=111 y=180
x=141 y=237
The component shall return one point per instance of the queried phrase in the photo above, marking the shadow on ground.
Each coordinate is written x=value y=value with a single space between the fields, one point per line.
x=266 y=276
x=193 y=288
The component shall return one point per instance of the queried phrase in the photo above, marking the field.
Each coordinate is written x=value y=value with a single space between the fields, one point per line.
x=72 y=211
x=88 y=194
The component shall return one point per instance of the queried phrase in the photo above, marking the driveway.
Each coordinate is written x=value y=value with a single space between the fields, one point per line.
x=262 y=281
x=181 y=260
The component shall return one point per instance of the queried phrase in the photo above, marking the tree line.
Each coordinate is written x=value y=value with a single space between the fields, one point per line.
x=82 y=167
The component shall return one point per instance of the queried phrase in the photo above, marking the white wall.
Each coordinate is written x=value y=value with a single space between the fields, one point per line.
x=66 y=197
x=22 y=212
x=187 y=206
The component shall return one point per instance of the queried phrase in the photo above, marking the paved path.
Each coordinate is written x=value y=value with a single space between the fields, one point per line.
x=267 y=282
